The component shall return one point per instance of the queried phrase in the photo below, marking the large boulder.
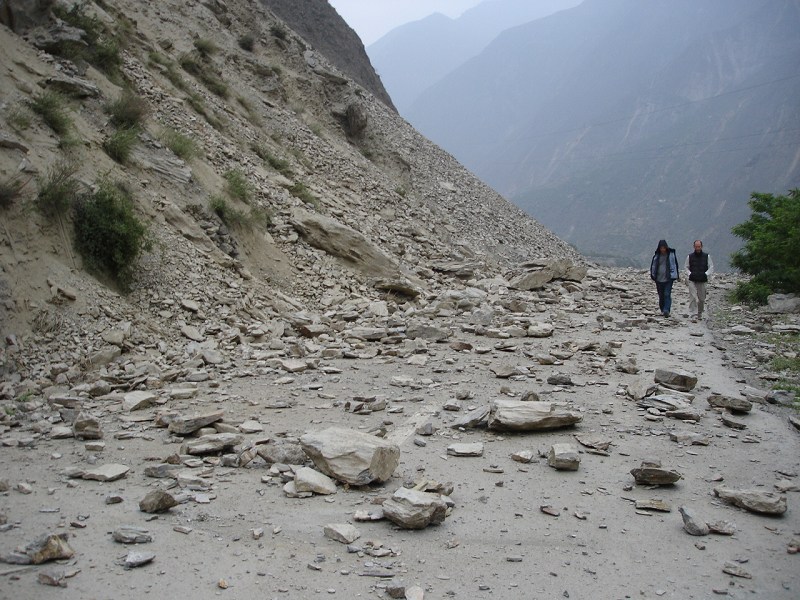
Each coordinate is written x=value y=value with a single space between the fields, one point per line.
x=351 y=456
x=21 y=15
x=343 y=242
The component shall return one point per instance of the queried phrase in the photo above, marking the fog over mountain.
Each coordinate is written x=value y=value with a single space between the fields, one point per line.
x=416 y=55
x=619 y=122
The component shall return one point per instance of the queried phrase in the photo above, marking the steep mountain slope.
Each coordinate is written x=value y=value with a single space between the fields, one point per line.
x=319 y=24
x=318 y=155
x=414 y=56
x=618 y=123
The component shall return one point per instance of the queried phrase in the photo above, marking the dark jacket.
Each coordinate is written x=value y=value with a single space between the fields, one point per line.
x=698 y=265
x=672 y=262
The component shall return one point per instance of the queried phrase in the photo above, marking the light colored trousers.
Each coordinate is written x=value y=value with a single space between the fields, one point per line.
x=697 y=297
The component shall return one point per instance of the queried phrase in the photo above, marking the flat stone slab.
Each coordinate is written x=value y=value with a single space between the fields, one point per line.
x=757 y=501
x=138 y=400
x=189 y=424
x=471 y=449
x=675 y=379
x=651 y=473
x=341 y=532
x=517 y=415
x=109 y=472
x=307 y=479
x=736 y=405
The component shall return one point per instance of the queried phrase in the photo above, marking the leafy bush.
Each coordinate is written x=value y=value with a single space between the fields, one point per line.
x=99 y=46
x=129 y=110
x=19 y=118
x=120 y=144
x=11 y=190
x=108 y=234
x=278 y=31
x=205 y=47
x=58 y=189
x=51 y=106
x=237 y=185
x=232 y=217
x=772 y=245
x=301 y=191
x=181 y=145
x=247 y=42
x=204 y=74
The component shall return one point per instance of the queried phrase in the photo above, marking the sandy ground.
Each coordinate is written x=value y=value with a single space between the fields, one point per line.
x=496 y=543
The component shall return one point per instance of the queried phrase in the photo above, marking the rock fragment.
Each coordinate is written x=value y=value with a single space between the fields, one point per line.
x=735 y=405
x=341 y=532
x=691 y=523
x=516 y=415
x=676 y=379
x=157 y=501
x=651 y=473
x=564 y=457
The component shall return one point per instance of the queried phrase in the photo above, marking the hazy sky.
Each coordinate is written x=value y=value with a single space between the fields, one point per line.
x=372 y=19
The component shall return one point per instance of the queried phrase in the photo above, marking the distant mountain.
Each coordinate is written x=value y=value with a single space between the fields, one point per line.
x=320 y=25
x=416 y=55
x=619 y=122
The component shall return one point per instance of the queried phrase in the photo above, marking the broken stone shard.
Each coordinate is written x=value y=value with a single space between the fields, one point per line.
x=309 y=480
x=351 y=456
x=342 y=532
x=131 y=535
x=691 y=523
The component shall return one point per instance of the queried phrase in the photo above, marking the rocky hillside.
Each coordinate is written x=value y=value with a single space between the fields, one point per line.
x=339 y=202
x=320 y=25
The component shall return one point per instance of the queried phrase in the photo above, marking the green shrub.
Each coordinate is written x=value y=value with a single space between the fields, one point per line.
x=51 y=106
x=247 y=42
x=129 y=110
x=301 y=191
x=205 y=47
x=181 y=145
x=237 y=185
x=58 y=189
x=120 y=144
x=205 y=75
x=11 y=189
x=278 y=31
x=19 y=118
x=99 y=46
x=229 y=215
x=772 y=245
x=108 y=234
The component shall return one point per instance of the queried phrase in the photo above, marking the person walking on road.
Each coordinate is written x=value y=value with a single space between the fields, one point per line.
x=698 y=268
x=664 y=271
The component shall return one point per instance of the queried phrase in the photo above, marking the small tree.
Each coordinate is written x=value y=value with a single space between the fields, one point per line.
x=771 y=253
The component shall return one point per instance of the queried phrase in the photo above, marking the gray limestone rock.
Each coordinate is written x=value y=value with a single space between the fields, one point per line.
x=87 y=427
x=564 y=457
x=131 y=535
x=157 y=501
x=309 y=480
x=465 y=449
x=208 y=444
x=516 y=415
x=736 y=405
x=343 y=533
x=691 y=523
x=109 y=472
x=189 y=424
x=757 y=501
x=351 y=456
x=413 y=509
x=46 y=547
x=651 y=473
x=676 y=379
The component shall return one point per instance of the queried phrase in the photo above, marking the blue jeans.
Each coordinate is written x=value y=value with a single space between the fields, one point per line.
x=664 y=295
